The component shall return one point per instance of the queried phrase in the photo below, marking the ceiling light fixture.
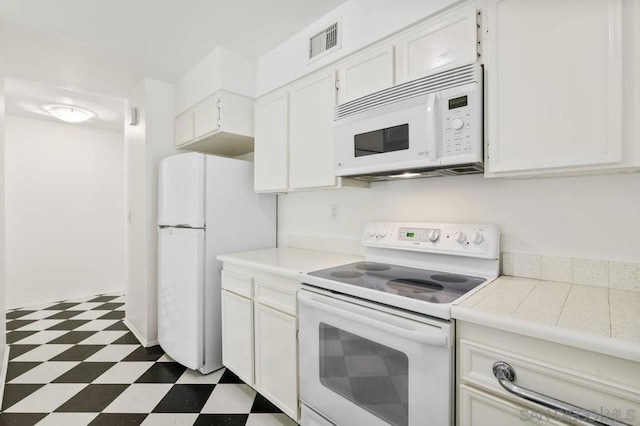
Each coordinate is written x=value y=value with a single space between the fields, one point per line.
x=406 y=175
x=69 y=113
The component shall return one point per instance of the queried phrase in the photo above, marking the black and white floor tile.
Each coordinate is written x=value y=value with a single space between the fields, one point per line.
x=76 y=363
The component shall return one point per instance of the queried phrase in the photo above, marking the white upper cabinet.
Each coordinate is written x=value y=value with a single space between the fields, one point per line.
x=220 y=124
x=184 y=129
x=366 y=73
x=311 y=132
x=444 y=41
x=554 y=86
x=271 y=155
x=206 y=117
x=294 y=137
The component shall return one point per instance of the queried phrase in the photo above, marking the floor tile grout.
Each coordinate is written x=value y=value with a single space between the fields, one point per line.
x=94 y=371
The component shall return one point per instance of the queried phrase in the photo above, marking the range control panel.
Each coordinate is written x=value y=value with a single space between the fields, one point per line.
x=472 y=240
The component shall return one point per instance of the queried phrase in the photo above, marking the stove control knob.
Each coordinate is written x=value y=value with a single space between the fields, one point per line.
x=433 y=235
x=382 y=232
x=476 y=238
x=460 y=237
x=373 y=232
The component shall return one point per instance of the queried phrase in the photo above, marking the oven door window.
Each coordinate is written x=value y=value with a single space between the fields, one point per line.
x=380 y=141
x=371 y=375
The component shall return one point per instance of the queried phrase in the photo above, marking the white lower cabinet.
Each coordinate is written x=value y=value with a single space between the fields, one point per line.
x=276 y=357
x=591 y=381
x=260 y=333
x=237 y=335
x=478 y=408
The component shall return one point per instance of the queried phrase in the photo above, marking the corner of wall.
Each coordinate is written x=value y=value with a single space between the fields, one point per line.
x=2 y=218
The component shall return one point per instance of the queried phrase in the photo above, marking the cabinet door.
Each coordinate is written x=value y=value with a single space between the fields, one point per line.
x=237 y=335
x=445 y=41
x=184 y=128
x=271 y=145
x=277 y=358
x=206 y=116
x=311 y=132
x=366 y=73
x=478 y=408
x=554 y=85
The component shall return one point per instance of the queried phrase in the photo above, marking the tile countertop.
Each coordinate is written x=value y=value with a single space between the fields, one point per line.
x=593 y=318
x=288 y=262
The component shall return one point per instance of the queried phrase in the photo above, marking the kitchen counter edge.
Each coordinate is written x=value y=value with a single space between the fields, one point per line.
x=287 y=261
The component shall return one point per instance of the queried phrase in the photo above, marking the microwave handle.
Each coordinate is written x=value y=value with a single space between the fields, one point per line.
x=326 y=306
x=432 y=122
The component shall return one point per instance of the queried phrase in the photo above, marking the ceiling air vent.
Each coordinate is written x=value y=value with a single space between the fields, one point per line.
x=324 y=41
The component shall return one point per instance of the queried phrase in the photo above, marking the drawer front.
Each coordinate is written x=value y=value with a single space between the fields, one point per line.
x=237 y=283
x=583 y=390
x=282 y=298
x=478 y=408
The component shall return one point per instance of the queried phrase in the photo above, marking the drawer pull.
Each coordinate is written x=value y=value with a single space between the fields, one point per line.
x=506 y=375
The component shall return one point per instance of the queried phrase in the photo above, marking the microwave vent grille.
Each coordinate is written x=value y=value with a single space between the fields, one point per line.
x=439 y=81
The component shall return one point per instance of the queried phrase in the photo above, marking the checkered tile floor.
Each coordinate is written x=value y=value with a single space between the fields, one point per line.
x=76 y=363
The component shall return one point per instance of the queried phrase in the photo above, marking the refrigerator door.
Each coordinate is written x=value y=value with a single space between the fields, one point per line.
x=180 y=294
x=181 y=191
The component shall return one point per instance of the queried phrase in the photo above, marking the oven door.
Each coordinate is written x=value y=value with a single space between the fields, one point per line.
x=400 y=135
x=362 y=366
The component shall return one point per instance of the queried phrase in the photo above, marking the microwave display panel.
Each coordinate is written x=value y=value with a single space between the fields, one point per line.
x=380 y=141
x=458 y=102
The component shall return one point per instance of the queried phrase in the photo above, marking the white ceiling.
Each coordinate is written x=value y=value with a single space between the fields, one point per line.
x=105 y=47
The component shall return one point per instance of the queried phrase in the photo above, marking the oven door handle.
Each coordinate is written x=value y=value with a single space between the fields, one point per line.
x=396 y=330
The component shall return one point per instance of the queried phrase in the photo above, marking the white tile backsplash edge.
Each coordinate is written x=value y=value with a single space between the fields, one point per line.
x=349 y=246
x=597 y=273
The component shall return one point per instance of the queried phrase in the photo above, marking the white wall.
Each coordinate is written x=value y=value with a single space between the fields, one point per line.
x=145 y=145
x=65 y=211
x=586 y=217
x=3 y=338
x=362 y=23
x=595 y=217
x=220 y=69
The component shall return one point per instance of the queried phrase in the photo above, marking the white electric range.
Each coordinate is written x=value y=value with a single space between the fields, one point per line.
x=376 y=337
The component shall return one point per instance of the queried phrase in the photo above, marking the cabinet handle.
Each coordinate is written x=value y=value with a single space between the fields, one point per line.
x=506 y=375
x=218 y=104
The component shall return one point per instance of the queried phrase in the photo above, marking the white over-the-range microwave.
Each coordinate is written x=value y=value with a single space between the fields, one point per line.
x=427 y=127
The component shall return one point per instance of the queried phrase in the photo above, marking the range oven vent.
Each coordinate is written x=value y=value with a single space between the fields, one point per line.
x=443 y=80
x=325 y=40
x=426 y=172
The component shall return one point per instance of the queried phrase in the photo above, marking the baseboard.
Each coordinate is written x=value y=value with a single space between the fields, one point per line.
x=58 y=300
x=3 y=373
x=138 y=335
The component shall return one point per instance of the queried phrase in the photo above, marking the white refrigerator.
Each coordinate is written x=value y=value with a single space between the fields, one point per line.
x=206 y=207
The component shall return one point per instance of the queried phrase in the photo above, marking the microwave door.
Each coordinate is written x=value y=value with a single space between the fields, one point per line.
x=391 y=137
x=433 y=122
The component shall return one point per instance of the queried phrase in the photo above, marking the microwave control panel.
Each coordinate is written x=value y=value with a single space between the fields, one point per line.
x=461 y=128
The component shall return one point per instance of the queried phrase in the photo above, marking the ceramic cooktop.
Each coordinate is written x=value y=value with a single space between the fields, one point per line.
x=421 y=284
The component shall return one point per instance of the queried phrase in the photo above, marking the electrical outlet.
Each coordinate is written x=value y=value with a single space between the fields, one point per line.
x=334 y=212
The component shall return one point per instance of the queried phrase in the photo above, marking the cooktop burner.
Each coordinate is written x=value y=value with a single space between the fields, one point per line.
x=422 y=284
x=372 y=266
